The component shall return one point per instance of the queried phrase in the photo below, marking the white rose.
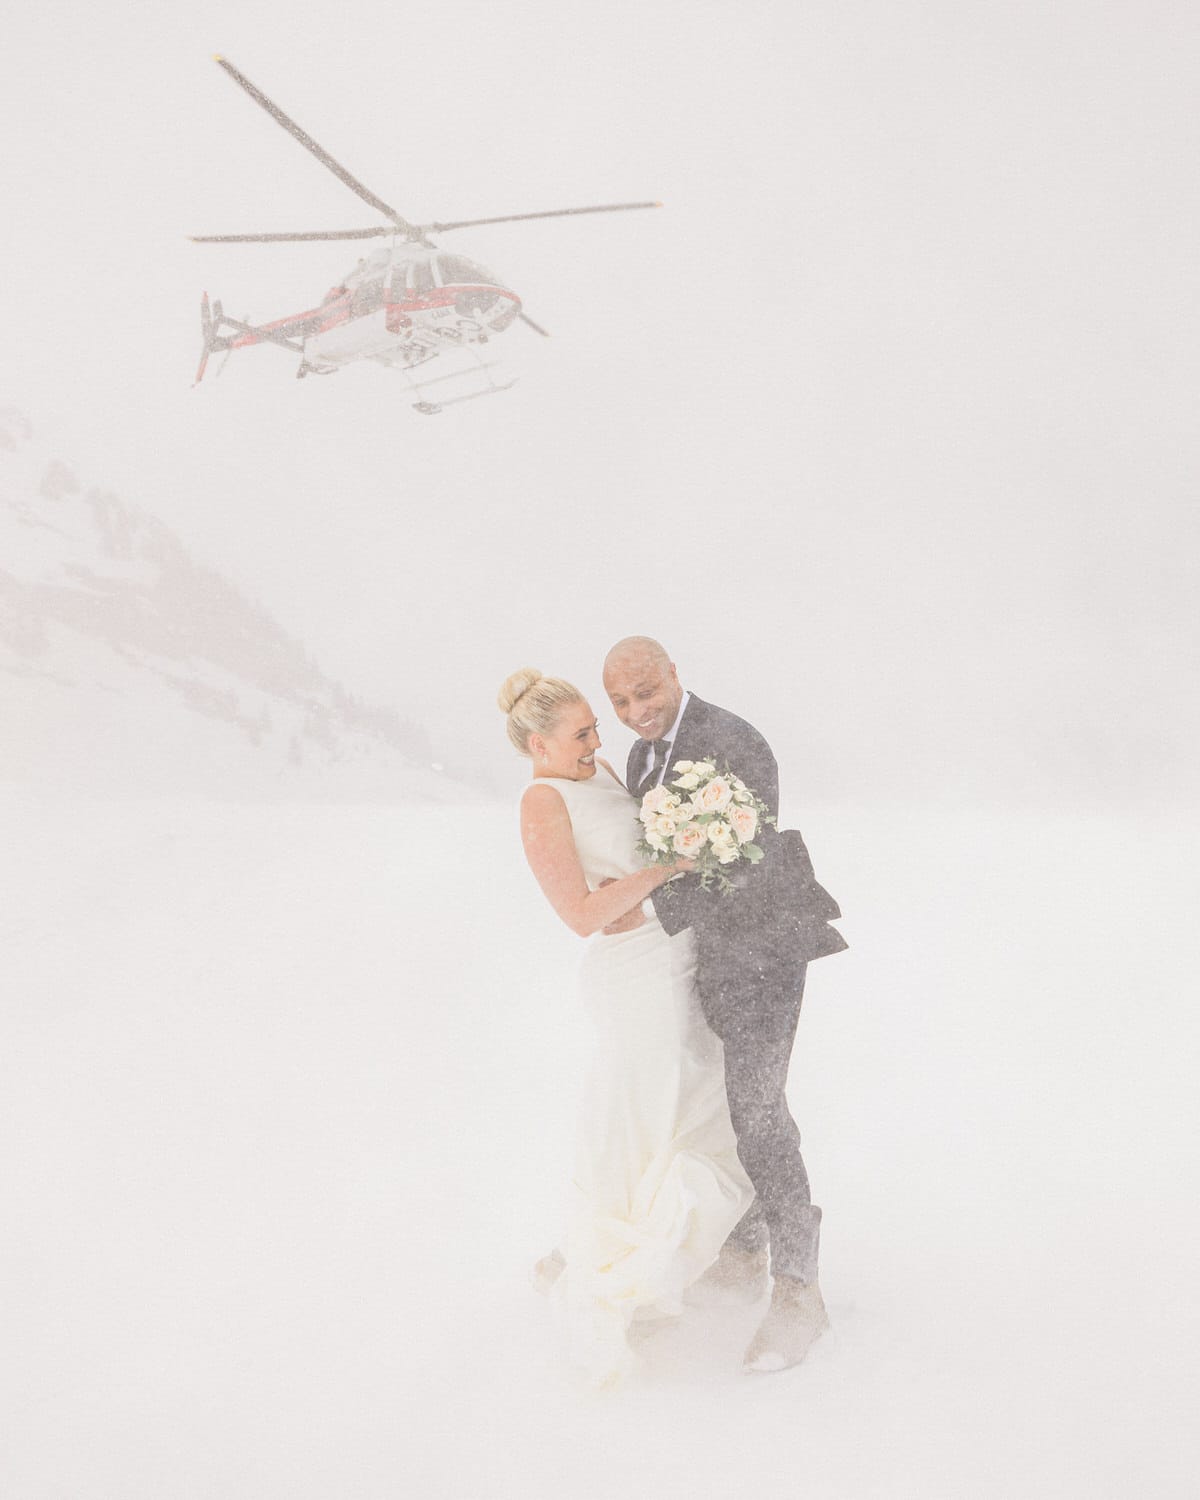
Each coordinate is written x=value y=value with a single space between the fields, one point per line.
x=743 y=796
x=655 y=840
x=715 y=797
x=744 y=821
x=684 y=813
x=704 y=768
x=689 y=841
x=688 y=781
x=726 y=853
x=683 y=765
x=655 y=799
x=738 y=784
x=719 y=833
x=664 y=826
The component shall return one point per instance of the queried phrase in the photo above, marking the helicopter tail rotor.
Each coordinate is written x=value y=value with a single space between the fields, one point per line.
x=206 y=333
x=537 y=327
x=212 y=320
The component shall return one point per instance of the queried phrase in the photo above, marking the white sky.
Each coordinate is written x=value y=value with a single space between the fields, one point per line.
x=883 y=423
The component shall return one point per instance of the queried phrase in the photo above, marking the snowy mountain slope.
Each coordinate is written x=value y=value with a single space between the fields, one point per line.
x=125 y=664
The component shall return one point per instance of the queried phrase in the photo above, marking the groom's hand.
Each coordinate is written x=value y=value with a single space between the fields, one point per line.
x=628 y=922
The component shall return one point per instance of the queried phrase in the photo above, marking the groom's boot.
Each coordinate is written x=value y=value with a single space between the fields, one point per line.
x=795 y=1319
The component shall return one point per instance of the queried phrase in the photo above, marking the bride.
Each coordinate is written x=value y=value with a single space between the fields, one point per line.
x=657 y=1182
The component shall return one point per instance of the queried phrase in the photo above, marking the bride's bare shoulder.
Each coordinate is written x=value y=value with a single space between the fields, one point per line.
x=539 y=788
x=541 y=798
x=544 y=816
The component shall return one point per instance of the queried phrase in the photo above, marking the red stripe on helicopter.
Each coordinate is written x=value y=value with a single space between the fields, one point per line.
x=333 y=314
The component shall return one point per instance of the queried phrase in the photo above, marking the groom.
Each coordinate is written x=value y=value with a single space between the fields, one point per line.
x=752 y=947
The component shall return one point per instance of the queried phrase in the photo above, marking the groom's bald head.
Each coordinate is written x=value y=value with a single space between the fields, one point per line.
x=637 y=649
x=643 y=686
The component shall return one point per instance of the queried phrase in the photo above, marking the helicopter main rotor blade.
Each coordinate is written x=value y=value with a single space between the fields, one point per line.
x=553 y=213
x=313 y=234
x=319 y=152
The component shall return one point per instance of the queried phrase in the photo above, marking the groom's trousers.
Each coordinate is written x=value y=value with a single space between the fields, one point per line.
x=755 y=1015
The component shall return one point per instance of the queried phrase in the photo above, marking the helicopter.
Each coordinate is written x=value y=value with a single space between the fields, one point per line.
x=402 y=306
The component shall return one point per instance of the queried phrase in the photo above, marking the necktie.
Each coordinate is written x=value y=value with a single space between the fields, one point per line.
x=660 y=748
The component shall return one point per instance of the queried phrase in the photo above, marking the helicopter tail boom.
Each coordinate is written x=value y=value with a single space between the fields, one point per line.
x=214 y=319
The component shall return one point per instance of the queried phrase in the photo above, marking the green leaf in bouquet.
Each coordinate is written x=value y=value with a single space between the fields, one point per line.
x=752 y=852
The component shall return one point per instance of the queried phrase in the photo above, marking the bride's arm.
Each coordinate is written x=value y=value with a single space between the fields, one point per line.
x=550 y=850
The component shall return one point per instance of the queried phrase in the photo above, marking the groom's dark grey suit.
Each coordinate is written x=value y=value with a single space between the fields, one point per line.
x=753 y=948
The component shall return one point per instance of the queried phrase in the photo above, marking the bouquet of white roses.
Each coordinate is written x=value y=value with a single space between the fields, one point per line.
x=701 y=814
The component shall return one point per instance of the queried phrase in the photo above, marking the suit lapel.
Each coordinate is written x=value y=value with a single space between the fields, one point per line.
x=633 y=760
x=687 y=744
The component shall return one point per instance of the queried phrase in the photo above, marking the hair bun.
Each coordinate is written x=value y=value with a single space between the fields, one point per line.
x=515 y=688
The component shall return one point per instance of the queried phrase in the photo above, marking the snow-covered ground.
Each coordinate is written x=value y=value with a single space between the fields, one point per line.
x=287 y=1092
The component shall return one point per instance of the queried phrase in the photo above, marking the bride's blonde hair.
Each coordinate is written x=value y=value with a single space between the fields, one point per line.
x=533 y=704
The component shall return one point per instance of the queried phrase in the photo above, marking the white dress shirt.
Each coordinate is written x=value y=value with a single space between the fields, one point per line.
x=648 y=757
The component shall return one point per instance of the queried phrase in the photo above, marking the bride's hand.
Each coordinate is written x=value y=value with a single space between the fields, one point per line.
x=627 y=923
x=683 y=867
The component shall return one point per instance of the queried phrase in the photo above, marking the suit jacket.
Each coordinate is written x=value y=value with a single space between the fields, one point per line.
x=778 y=901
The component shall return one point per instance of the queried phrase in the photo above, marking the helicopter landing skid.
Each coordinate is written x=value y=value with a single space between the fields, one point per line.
x=431 y=408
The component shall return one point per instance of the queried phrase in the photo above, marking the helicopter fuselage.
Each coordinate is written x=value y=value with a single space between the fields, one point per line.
x=397 y=307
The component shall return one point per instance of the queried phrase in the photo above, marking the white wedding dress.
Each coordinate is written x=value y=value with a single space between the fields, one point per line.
x=657 y=1183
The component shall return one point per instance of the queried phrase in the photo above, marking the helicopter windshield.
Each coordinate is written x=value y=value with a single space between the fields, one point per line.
x=457 y=270
x=420 y=277
x=366 y=299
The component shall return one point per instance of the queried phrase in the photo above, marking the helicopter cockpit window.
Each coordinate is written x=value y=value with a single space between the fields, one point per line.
x=367 y=298
x=457 y=270
x=420 y=276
